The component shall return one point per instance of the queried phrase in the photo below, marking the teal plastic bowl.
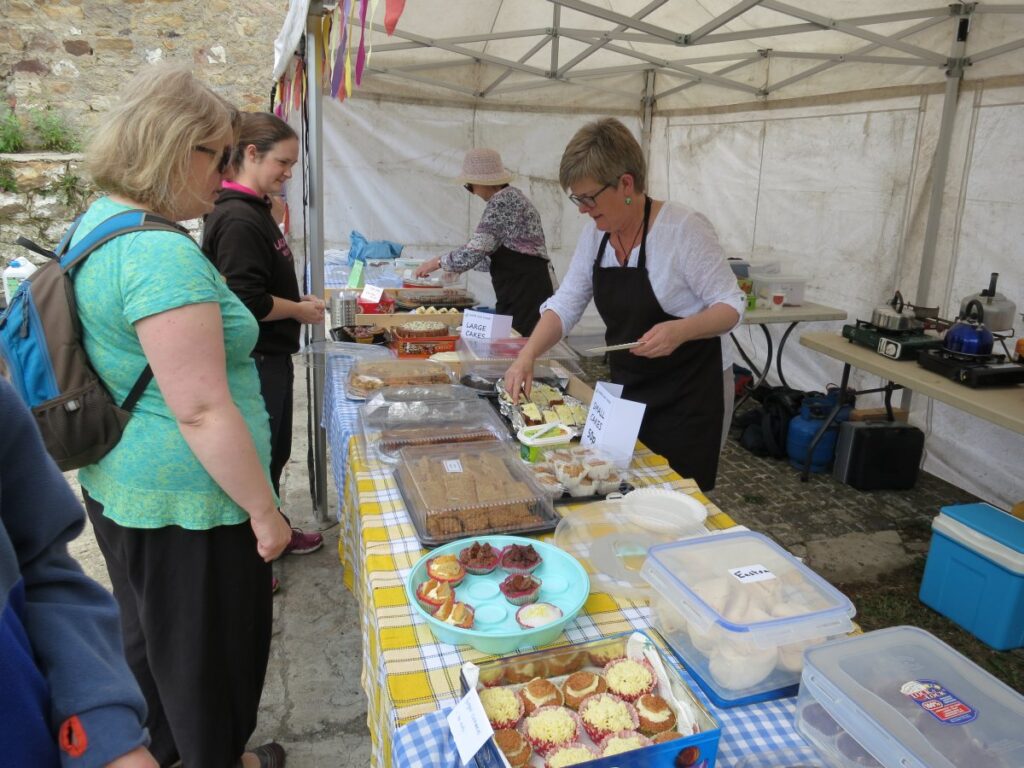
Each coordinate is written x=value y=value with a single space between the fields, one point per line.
x=564 y=583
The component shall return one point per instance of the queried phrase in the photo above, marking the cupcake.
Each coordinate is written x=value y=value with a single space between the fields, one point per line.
x=479 y=558
x=664 y=736
x=491 y=676
x=504 y=709
x=601 y=654
x=629 y=678
x=655 y=715
x=455 y=613
x=571 y=754
x=623 y=741
x=537 y=615
x=603 y=714
x=550 y=727
x=579 y=685
x=540 y=693
x=446 y=568
x=566 y=663
x=519 y=559
x=520 y=588
x=525 y=671
x=433 y=593
x=514 y=747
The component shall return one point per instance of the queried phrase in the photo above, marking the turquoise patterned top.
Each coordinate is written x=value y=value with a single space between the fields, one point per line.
x=151 y=478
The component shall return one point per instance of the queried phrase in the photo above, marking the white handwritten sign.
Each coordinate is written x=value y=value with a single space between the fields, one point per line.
x=750 y=574
x=371 y=293
x=485 y=325
x=469 y=725
x=613 y=423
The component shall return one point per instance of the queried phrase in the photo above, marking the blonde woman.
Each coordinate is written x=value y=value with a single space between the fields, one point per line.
x=183 y=507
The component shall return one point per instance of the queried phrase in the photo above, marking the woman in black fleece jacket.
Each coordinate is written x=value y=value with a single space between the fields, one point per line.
x=244 y=241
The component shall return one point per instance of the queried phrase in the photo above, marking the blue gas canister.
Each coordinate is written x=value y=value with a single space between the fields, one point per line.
x=805 y=425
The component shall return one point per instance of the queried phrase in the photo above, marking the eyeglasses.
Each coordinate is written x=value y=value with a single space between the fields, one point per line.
x=589 y=201
x=225 y=156
x=468 y=188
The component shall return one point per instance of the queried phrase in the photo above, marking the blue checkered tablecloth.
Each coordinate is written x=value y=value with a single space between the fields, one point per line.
x=340 y=416
x=757 y=729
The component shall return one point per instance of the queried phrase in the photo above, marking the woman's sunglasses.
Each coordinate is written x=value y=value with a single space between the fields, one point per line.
x=225 y=156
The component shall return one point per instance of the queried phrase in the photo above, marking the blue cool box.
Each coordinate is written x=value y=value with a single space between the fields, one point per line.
x=975 y=573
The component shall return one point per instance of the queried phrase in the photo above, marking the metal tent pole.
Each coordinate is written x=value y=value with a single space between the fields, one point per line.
x=315 y=242
x=648 y=114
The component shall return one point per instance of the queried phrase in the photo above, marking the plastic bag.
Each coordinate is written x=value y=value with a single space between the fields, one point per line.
x=361 y=249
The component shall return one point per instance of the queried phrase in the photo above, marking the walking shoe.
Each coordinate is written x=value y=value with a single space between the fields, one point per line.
x=270 y=755
x=303 y=543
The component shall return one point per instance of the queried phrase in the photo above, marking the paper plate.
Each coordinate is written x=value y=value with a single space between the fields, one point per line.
x=665 y=504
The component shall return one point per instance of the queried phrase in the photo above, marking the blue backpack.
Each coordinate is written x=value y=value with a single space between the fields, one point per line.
x=41 y=343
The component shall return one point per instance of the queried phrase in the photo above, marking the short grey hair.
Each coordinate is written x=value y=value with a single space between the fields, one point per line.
x=603 y=151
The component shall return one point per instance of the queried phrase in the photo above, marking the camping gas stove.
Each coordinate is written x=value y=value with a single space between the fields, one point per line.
x=973 y=370
x=899 y=345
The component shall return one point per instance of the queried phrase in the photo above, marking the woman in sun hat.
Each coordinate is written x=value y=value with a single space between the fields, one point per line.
x=508 y=242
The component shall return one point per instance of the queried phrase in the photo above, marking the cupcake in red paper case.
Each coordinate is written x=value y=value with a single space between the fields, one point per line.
x=492 y=676
x=655 y=714
x=623 y=741
x=520 y=588
x=603 y=714
x=550 y=727
x=540 y=693
x=566 y=663
x=520 y=559
x=537 y=615
x=479 y=558
x=600 y=655
x=515 y=748
x=579 y=685
x=455 y=613
x=446 y=568
x=664 y=736
x=503 y=707
x=432 y=594
x=571 y=754
x=525 y=671
x=629 y=678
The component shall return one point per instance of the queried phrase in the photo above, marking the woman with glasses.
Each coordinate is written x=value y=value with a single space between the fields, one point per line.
x=182 y=507
x=243 y=240
x=658 y=276
x=508 y=242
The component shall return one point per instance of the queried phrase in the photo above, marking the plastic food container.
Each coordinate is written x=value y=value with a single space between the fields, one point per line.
x=901 y=698
x=739 y=611
x=385 y=306
x=390 y=427
x=495 y=629
x=507 y=349
x=319 y=354
x=453 y=491
x=367 y=377
x=611 y=540
x=695 y=749
x=483 y=375
x=793 y=286
x=534 y=442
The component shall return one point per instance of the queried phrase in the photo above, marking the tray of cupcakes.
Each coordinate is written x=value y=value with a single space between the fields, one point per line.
x=580 y=703
x=497 y=593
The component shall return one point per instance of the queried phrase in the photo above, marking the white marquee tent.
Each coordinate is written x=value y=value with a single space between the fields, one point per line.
x=869 y=145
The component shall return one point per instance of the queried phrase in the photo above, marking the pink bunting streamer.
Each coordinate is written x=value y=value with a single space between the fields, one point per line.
x=392 y=13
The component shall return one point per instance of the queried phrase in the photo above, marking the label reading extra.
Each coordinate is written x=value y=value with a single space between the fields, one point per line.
x=940 y=703
x=748 y=574
x=452 y=465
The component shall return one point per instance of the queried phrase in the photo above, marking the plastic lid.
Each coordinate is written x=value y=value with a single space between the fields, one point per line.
x=316 y=354
x=914 y=702
x=500 y=349
x=979 y=543
x=746 y=583
x=994 y=523
x=612 y=539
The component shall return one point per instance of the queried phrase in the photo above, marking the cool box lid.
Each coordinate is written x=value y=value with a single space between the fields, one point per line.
x=999 y=526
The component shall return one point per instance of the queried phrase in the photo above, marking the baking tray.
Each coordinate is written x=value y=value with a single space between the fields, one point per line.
x=446 y=298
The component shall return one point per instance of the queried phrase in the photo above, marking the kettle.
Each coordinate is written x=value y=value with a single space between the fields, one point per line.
x=999 y=310
x=969 y=336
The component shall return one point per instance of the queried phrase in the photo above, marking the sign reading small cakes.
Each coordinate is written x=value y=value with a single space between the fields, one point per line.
x=485 y=325
x=613 y=423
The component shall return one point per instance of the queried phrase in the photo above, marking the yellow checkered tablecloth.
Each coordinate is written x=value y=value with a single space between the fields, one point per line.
x=406 y=671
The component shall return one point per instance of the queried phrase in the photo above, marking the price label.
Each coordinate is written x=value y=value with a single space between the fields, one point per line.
x=355 y=276
x=485 y=325
x=371 y=293
x=469 y=726
x=613 y=423
x=452 y=465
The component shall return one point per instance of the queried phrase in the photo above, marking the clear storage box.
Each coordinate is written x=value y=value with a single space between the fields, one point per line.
x=508 y=349
x=901 y=698
x=793 y=286
x=456 y=491
x=369 y=376
x=739 y=611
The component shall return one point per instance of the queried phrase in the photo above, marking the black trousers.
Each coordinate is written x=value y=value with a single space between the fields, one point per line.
x=277 y=376
x=196 y=612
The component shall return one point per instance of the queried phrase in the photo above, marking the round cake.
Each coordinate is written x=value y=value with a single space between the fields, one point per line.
x=623 y=741
x=571 y=754
x=603 y=714
x=503 y=707
x=551 y=727
x=423 y=328
x=655 y=714
x=538 y=693
x=515 y=748
x=629 y=678
x=579 y=685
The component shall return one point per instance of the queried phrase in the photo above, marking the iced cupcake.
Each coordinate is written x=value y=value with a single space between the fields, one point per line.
x=624 y=741
x=664 y=736
x=491 y=676
x=566 y=663
x=628 y=678
x=446 y=568
x=550 y=727
x=520 y=588
x=580 y=685
x=537 y=615
x=571 y=754
x=432 y=594
x=540 y=693
x=655 y=715
x=504 y=709
x=480 y=558
x=603 y=714
x=515 y=748
x=601 y=654
x=525 y=671
x=520 y=559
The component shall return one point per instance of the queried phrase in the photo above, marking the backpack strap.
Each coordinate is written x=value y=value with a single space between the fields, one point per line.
x=138 y=388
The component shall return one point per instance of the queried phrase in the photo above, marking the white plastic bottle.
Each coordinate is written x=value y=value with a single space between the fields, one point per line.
x=13 y=275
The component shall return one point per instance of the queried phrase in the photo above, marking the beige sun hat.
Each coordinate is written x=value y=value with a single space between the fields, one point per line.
x=483 y=166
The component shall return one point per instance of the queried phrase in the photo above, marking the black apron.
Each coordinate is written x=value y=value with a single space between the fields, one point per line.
x=683 y=391
x=521 y=284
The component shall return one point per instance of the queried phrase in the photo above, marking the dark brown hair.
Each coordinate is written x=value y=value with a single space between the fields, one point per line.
x=261 y=129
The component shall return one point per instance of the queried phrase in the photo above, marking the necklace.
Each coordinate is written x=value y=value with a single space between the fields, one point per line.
x=625 y=251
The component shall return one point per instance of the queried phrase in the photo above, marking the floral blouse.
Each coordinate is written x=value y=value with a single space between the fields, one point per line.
x=509 y=219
